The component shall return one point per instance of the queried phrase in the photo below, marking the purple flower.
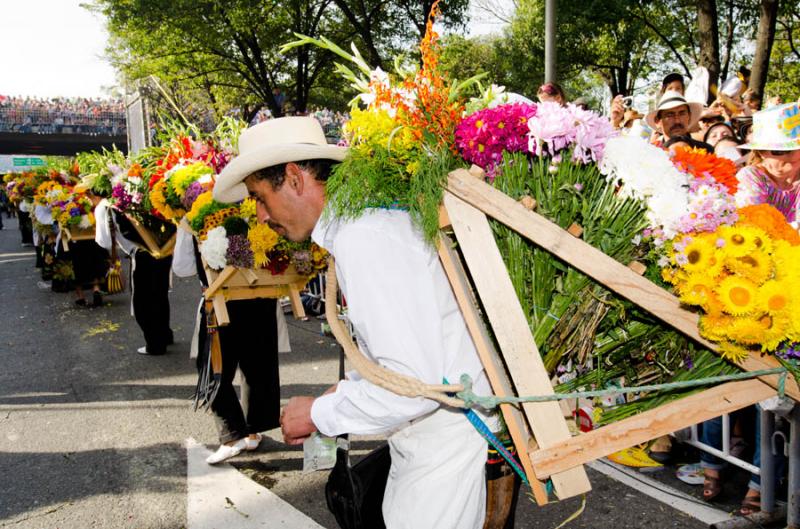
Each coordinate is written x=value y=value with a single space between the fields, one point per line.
x=194 y=190
x=301 y=259
x=74 y=211
x=592 y=131
x=239 y=252
x=121 y=198
x=688 y=362
x=551 y=130
x=789 y=351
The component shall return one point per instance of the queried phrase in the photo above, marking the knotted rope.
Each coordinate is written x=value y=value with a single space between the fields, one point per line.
x=398 y=383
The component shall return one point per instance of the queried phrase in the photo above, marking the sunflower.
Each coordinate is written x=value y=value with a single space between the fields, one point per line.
x=247 y=208
x=262 y=240
x=748 y=330
x=775 y=297
x=737 y=295
x=734 y=353
x=755 y=266
x=786 y=258
x=697 y=289
x=698 y=255
x=776 y=330
x=740 y=240
x=714 y=326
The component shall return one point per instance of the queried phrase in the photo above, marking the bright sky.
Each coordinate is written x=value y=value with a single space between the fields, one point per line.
x=54 y=47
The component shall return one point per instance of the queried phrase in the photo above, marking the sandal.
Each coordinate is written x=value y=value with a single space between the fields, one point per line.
x=750 y=505
x=712 y=487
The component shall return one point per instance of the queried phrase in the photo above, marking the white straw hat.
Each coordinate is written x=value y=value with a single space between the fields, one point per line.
x=776 y=129
x=273 y=142
x=672 y=99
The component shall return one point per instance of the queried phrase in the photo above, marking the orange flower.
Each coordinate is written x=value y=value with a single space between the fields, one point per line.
x=770 y=220
x=701 y=164
x=135 y=170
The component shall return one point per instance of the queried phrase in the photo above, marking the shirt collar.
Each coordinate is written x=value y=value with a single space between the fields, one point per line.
x=325 y=230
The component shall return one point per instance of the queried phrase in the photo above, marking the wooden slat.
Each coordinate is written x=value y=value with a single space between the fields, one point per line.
x=146 y=236
x=167 y=248
x=643 y=427
x=249 y=276
x=495 y=370
x=297 y=305
x=513 y=335
x=221 y=310
x=605 y=270
x=219 y=281
x=268 y=291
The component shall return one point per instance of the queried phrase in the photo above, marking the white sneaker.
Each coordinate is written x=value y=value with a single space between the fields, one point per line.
x=252 y=444
x=226 y=452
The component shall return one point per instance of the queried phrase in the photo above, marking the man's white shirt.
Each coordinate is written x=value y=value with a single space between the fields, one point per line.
x=405 y=317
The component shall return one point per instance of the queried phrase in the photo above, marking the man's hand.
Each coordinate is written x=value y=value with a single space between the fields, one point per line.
x=296 y=423
x=617 y=111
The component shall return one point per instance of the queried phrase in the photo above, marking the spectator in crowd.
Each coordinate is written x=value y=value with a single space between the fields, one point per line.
x=552 y=92
x=673 y=82
x=717 y=132
x=728 y=147
x=674 y=116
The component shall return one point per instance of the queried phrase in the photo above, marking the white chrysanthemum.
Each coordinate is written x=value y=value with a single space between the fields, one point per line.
x=646 y=172
x=25 y=206
x=85 y=222
x=215 y=247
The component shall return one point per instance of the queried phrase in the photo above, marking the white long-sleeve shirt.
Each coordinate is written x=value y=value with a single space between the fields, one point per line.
x=405 y=317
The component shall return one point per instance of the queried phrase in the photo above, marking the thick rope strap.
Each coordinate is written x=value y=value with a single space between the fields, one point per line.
x=400 y=384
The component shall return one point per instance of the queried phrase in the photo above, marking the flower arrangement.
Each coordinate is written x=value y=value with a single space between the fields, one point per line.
x=73 y=209
x=744 y=278
x=230 y=235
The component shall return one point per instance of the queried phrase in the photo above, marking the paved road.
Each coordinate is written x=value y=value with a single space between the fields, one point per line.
x=94 y=435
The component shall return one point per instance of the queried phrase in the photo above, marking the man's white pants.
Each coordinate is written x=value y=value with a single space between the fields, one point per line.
x=437 y=479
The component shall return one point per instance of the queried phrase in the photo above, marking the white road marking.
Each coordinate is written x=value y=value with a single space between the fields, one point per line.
x=661 y=492
x=221 y=497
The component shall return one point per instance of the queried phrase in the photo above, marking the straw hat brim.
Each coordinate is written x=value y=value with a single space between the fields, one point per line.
x=695 y=109
x=230 y=185
x=755 y=146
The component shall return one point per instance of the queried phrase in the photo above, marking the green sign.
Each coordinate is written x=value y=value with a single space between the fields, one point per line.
x=26 y=162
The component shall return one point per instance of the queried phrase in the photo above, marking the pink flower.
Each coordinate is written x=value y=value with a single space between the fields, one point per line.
x=551 y=130
x=483 y=136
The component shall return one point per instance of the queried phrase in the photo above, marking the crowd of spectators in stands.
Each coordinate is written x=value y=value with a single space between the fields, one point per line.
x=61 y=115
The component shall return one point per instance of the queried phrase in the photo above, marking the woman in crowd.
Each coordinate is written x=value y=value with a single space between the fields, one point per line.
x=552 y=93
x=772 y=176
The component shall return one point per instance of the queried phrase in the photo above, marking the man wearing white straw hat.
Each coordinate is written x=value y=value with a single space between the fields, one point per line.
x=405 y=317
x=674 y=116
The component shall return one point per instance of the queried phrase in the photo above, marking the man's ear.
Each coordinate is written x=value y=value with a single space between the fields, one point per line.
x=295 y=177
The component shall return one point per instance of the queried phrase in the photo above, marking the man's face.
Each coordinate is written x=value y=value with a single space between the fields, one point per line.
x=285 y=209
x=674 y=121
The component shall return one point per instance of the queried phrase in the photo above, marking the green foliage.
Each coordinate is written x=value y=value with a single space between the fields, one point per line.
x=374 y=180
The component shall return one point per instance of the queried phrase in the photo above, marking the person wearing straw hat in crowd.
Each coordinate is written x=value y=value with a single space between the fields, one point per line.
x=674 y=116
x=405 y=317
x=772 y=175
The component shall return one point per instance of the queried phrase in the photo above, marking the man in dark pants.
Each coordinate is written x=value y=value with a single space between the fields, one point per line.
x=151 y=301
x=249 y=342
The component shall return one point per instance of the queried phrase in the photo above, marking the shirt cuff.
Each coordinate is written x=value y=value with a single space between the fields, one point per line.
x=323 y=413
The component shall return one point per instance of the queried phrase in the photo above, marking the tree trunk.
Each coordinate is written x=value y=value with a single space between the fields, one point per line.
x=765 y=36
x=708 y=36
x=729 y=32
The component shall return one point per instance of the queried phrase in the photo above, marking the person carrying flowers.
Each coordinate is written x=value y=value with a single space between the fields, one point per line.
x=404 y=313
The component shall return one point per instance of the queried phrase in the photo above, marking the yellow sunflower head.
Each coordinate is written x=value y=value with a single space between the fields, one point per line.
x=755 y=266
x=697 y=290
x=697 y=256
x=734 y=353
x=749 y=330
x=737 y=295
x=776 y=330
x=775 y=297
x=714 y=326
x=786 y=258
x=740 y=239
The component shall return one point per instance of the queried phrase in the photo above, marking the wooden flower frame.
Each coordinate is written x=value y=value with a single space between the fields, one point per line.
x=511 y=358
